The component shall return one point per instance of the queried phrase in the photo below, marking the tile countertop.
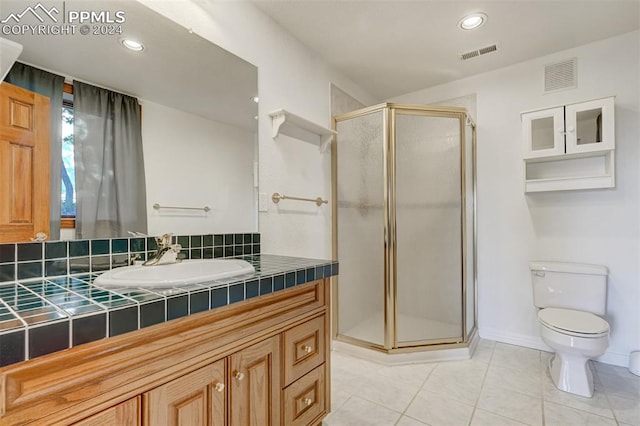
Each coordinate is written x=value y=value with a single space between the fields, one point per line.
x=42 y=316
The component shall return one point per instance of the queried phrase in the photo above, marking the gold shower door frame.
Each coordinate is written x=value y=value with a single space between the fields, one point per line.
x=390 y=110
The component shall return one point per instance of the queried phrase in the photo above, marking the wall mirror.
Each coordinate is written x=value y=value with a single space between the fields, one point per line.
x=199 y=118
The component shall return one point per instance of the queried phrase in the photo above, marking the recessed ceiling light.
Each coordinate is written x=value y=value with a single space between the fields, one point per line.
x=132 y=45
x=472 y=21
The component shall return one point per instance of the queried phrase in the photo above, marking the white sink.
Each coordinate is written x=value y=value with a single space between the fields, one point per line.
x=174 y=274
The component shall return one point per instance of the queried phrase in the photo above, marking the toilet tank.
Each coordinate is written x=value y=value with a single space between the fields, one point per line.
x=569 y=285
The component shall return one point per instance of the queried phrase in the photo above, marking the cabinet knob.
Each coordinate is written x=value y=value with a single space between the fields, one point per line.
x=307 y=349
x=571 y=129
x=238 y=375
x=219 y=387
x=307 y=401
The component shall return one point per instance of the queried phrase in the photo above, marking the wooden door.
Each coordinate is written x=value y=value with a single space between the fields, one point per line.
x=124 y=414
x=254 y=396
x=24 y=164
x=196 y=399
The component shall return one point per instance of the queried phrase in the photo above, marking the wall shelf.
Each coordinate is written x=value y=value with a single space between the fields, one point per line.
x=287 y=123
x=569 y=172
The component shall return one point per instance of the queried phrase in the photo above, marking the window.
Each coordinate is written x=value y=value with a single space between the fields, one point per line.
x=68 y=193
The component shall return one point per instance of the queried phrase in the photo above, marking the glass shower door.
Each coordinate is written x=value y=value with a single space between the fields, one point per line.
x=428 y=190
x=360 y=228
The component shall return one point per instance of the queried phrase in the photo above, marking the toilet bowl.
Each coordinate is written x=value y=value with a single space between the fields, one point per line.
x=575 y=336
x=570 y=298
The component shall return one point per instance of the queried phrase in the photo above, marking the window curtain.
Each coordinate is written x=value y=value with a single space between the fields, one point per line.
x=51 y=86
x=110 y=183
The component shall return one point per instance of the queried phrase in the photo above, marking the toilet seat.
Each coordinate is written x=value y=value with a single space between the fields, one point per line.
x=574 y=323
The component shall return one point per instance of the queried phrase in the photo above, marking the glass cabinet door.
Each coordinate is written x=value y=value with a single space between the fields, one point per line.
x=543 y=133
x=590 y=126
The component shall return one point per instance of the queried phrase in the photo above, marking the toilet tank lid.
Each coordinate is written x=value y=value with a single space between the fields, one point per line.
x=568 y=267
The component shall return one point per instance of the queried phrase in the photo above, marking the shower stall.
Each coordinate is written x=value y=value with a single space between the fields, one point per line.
x=404 y=227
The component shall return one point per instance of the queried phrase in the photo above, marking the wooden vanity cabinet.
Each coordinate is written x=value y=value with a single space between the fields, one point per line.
x=260 y=362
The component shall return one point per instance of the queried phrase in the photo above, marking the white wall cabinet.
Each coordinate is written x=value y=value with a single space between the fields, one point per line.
x=569 y=147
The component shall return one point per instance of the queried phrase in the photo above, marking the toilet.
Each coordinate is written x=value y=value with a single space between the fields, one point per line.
x=571 y=296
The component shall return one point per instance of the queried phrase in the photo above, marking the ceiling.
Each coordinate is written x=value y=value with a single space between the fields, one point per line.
x=394 y=47
x=177 y=68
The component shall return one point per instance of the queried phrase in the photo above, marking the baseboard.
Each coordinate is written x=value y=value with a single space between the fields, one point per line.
x=614 y=358
x=535 y=342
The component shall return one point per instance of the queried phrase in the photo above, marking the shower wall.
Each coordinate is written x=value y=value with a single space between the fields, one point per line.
x=361 y=227
x=403 y=222
x=428 y=217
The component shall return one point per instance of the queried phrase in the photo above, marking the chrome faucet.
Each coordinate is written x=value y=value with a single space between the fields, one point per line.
x=167 y=252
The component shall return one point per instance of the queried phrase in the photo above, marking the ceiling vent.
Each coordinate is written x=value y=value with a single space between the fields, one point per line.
x=479 y=52
x=561 y=75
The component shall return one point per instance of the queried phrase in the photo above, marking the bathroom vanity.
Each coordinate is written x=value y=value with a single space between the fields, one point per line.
x=262 y=360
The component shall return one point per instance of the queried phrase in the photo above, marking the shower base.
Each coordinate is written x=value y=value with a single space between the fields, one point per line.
x=414 y=328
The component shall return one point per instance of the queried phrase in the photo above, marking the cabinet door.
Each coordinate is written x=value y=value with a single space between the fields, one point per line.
x=590 y=126
x=543 y=133
x=124 y=414
x=255 y=384
x=198 y=398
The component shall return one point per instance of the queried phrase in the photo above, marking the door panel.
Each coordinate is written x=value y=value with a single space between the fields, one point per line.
x=255 y=384
x=24 y=164
x=196 y=399
x=124 y=414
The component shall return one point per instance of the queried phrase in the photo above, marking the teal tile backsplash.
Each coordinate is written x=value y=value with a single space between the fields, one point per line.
x=24 y=261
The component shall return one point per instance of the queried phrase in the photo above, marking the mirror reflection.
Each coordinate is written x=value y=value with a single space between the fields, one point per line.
x=542 y=133
x=589 y=126
x=198 y=116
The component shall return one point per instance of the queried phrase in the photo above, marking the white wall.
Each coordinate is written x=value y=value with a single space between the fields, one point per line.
x=289 y=76
x=592 y=226
x=195 y=162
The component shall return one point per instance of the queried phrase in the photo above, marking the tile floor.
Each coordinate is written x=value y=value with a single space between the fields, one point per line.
x=501 y=385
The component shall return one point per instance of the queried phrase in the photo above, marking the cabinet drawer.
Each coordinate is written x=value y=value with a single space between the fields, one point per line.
x=304 y=399
x=304 y=349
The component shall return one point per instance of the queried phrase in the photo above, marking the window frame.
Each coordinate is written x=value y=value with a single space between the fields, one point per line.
x=67 y=221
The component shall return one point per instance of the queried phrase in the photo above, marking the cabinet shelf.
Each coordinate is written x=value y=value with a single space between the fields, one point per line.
x=287 y=123
x=578 y=171
x=565 y=184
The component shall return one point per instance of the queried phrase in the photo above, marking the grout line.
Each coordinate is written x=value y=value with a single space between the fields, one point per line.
x=416 y=394
x=606 y=394
x=543 y=371
x=484 y=379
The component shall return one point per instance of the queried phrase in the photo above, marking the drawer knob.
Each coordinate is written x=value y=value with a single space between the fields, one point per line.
x=307 y=349
x=219 y=387
x=238 y=375
x=307 y=401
